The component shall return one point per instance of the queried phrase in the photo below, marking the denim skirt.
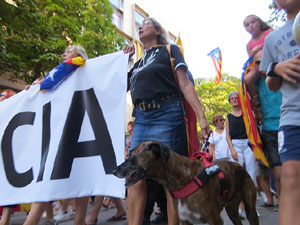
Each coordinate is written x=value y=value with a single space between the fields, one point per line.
x=165 y=125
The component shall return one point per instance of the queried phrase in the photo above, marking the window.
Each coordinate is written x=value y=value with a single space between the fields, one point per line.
x=139 y=18
x=117 y=4
x=117 y=20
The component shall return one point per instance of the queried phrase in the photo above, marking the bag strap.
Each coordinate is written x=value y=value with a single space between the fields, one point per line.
x=172 y=61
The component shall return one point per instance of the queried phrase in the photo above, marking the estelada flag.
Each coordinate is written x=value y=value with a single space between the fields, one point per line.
x=251 y=128
x=55 y=76
x=216 y=57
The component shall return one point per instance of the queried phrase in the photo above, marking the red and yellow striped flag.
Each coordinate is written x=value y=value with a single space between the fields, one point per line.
x=251 y=129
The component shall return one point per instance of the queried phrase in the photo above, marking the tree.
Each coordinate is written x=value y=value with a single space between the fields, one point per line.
x=214 y=97
x=34 y=33
x=276 y=15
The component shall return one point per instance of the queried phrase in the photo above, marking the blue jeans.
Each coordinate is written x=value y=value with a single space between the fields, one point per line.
x=165 y=124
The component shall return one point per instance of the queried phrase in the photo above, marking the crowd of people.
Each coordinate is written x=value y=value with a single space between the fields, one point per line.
x=157 y=88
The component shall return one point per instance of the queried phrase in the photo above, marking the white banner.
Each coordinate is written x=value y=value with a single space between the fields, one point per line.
x=66 y=142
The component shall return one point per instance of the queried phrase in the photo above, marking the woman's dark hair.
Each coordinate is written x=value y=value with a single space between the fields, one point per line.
x=162 y=38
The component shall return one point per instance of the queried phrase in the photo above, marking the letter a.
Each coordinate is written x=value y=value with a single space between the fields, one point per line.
x=69 y=147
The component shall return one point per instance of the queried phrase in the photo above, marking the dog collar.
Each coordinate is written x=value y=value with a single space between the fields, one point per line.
x=201 y=179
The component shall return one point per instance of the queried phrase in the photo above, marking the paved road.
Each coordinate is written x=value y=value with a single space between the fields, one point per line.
x=267 y=216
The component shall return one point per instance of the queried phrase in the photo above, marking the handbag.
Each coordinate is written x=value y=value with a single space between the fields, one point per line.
x=190 y=117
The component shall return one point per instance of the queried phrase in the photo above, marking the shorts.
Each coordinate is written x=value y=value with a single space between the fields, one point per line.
x=165 y=125
x=270 y=145
x=288 y=143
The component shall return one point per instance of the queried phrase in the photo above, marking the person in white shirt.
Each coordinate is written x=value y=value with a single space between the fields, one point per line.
x=218 y=146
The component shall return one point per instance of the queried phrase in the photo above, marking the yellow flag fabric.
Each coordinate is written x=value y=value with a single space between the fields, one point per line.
x=179 y=44
x=139 y=50
x=25 y=207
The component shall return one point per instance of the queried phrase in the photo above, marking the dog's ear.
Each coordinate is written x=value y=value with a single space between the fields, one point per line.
x=160 y=150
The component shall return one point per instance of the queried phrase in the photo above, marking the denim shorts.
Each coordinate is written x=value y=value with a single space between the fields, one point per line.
x=270 y=145
x=165 y=125
x=288 y=143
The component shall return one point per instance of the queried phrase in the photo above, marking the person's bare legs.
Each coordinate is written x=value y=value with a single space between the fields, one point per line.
x=6 y=214
x=173 y=218
x=81 y=208
x=289 y=207
x=95 y=210
x=49 y=212
x=250 y=79
x=65 y=205
x=265 y=186
x=277 y=174
x=35 y=213
x=120 y=207
x=136 y=202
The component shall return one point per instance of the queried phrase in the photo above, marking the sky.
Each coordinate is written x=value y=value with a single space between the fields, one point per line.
x=206 y=25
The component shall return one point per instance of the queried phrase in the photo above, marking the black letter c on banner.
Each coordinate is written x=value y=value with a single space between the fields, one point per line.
x=14 y=178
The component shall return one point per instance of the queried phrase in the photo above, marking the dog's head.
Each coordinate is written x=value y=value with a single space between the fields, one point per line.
x=145 y=160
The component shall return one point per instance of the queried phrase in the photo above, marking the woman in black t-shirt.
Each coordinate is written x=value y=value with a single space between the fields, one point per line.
x=238 y=141
x=158 y=110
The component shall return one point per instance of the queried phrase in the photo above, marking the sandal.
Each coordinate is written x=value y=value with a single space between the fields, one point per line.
x=92 y=222
x=117 y=218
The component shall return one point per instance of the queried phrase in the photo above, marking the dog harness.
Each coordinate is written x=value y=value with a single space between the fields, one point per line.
x=201 y=179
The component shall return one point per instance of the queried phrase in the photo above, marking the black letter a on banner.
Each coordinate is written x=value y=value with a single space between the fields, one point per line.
x=69 y=147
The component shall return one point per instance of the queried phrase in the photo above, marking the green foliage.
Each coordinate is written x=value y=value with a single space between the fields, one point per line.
x=35 y=33
x=214 y=97
x=276 y=16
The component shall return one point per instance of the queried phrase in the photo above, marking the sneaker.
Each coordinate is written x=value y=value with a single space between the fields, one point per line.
x=258 y=214
x=242 y=214
x=276 y=207
x=64 y=216
x=55 y=222
x=161 y=218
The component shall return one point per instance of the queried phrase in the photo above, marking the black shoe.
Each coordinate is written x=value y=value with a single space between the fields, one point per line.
x=146 y=222
x=161 y=218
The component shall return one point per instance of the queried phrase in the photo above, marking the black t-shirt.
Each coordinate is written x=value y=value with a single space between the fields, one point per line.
x=152 y=76
x=237 y=129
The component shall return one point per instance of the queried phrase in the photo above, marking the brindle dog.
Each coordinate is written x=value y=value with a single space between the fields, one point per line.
x=156 y=161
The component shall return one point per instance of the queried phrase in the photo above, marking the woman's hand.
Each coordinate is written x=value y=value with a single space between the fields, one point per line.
x=130 y=50
x=205 y=128
x=234 y=155
x=255 y=50
x=37 y=81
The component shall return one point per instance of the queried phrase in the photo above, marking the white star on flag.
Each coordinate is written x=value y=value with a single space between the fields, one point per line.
x=51 y=74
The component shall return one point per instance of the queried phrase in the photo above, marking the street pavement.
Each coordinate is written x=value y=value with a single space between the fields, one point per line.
x=267 y=216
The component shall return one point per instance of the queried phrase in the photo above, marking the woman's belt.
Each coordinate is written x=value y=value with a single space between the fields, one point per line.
x=153 y=103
